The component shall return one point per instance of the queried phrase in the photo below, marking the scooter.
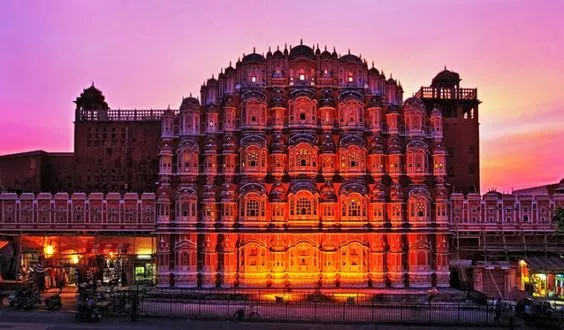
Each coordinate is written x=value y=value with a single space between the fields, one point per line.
x=26 y=299
x=54 y=302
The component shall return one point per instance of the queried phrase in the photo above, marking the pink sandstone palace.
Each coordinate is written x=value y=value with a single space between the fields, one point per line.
x=300 y=168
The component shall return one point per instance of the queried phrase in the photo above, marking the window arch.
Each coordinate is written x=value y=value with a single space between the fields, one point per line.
x=303 y=206
x=353 y=160
x=253 y=160
x=419 y=208
x=187 y=207
x=253 y=258
x=353 y=207
x=353 y=258
x=253 y=207
x=417 y=158
x=185 y=256
x=303 y=158
x=303 y=258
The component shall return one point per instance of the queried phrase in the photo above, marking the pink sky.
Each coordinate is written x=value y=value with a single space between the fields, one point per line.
x=148 y=54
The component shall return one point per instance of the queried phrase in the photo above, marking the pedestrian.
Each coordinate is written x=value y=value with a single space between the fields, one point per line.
x=432 y=293
x=497 y=309
x=61 y=281
x=171 y=280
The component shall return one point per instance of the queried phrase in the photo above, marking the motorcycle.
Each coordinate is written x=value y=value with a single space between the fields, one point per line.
x=25 y=298
x=53 y=303
x=87 y=310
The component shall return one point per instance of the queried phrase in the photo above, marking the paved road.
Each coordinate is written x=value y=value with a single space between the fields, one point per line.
x=207 y=325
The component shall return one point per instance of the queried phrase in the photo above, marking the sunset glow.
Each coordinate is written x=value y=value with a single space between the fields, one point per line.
x=148 y=54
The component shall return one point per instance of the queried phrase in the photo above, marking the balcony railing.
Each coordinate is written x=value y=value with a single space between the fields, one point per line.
x=448 y=93
x=121 y=115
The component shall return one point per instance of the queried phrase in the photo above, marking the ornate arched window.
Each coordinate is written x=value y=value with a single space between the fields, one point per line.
x=253 y=207
x=185 y=256
x=303 y=158
x=303 y=258
x=419 y=254
x=419 y=206
x=253 y=258
x=353 y=207
x=353 y=160
x=303 y=206
x=353 y=258
x=253 y=160
x=417 y=158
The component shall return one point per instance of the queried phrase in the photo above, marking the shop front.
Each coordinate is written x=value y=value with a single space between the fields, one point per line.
x=72 y=259
x=543 y=276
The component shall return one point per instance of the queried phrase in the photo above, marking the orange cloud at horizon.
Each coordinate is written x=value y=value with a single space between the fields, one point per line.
x=523 y=159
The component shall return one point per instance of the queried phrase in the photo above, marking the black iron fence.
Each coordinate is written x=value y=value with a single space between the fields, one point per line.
x=267 y=305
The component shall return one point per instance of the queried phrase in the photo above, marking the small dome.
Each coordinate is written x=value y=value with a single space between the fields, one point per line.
x=211 y=81
x=396 y=195
x=436 y=113
x=277 y=99
x=229 y=69
x=327 y=193
x=439 y=150
x=328 y=146
x=209 y=193
x=391 y=81
x=378 y=193
x=277 y=145
x=211 y=144
x=277 y=193
x=441 y=192
x=190 y=103
x=373 y=71
x=446 y=79
x=394 y=146
x=91 y=99
x=165 y=150
x=325 y=54
x=227 y=192
x=228 y=144
x=327 y=99
x=376 y=102
x=229 y=103
x=560 y=188
x=376 y=146
x=350 y=58
x=277 y=54
x=301 y=51
x=254 y=57
x=413 y=103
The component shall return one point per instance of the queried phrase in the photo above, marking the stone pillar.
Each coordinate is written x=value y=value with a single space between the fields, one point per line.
x=396 y=271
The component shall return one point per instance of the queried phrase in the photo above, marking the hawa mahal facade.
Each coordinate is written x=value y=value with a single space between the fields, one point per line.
x=302 y=169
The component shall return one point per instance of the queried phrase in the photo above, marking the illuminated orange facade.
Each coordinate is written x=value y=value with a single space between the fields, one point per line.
x=302 y=169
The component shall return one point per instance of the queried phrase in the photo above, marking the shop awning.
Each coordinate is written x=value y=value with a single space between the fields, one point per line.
x=551 y=263
x=107 y=248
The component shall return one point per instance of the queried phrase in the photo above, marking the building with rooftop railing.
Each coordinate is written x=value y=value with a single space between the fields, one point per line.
x=298 y=168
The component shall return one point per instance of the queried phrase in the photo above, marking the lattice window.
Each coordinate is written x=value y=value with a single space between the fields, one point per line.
x=355 y=208
x=252 y=208
x=303 y=206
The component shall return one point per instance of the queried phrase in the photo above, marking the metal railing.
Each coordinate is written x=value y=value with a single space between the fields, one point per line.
x=278 y=306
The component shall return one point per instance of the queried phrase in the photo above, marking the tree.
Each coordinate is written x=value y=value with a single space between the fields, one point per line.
x=558 y=219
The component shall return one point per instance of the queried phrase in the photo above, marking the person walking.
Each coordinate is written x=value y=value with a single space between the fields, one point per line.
x=432 y=293
x=497 y=310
